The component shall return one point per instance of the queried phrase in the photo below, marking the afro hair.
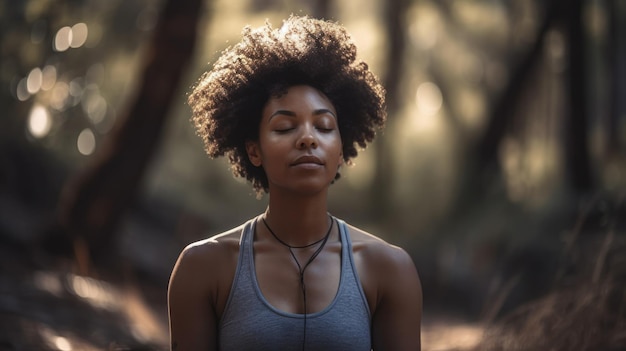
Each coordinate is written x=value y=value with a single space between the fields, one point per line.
x=227 y=101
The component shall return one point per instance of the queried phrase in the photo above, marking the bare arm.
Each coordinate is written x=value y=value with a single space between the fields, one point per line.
x=192 y=315
x=396 y=321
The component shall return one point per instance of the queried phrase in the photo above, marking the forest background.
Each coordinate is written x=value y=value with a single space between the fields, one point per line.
x=501 y=170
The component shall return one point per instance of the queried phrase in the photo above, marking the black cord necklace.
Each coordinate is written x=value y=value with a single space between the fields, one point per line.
x=301 y=268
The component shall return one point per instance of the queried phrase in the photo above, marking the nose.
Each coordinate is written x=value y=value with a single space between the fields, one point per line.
x=307 y=139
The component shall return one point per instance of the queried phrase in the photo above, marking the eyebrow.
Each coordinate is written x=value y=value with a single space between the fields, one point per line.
x=293 y=114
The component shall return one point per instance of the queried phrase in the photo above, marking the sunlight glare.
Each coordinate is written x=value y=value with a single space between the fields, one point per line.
x=35 y=77
x=86 y=142
x=54 y=340
x=62 y=343
x=96 y=292
x=145 y=324
x=39 y=121
x=452 y=335
x=62 y=39
x=79 y=35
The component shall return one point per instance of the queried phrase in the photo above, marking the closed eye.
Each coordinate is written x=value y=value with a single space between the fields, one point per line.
x=283 y=130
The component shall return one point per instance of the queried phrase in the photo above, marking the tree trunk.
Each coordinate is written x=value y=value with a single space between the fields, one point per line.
x=617 y=76
x=501 y=114
x=482 y=167
x=94 y=201
x=395 y=25
x=577 y=156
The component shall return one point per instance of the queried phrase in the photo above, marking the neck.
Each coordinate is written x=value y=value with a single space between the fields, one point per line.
x=298 y=221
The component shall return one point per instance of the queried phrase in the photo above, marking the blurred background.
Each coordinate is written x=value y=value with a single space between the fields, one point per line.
x=502 y=168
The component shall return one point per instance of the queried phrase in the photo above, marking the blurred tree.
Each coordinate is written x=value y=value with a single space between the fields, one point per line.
x=617 y=79
x=483 y=169
x=577 y=153
x=94 y=201
x=482 y=181
x=503 y=110
x=394 y=19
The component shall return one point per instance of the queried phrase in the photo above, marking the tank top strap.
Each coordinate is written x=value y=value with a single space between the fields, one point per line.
x=242 y=280
x=349 y=273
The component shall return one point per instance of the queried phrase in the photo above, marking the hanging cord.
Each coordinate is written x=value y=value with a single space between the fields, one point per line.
x=301 y=269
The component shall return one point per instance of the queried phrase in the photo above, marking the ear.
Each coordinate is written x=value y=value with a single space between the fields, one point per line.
x=254 y=153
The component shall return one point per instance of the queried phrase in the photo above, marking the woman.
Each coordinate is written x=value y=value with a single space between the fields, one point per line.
x=289 y=106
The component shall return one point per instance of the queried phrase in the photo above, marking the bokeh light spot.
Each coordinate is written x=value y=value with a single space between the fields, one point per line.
x=96 y=108
x=428 y=98
x=39 y=122
x=49 y=77
x=62 y=39
x=79 y=35
x=35 y=77
x=21 y=91
x=86 y=142
x=76 y=87
x=59 y=95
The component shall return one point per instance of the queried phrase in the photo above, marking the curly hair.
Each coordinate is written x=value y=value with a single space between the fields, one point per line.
x=227 y=101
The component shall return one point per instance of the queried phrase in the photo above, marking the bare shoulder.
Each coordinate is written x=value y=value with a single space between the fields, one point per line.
x=198 y=288
x=213 y=249
x=384 y=268
x=377 y=251
x=207 y=264
x=393 y=290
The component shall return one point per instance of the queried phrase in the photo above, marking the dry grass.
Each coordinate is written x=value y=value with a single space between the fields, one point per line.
x=586 y=311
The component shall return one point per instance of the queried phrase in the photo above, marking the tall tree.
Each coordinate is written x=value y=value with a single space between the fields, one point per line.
x=395 y=35
x=93 y=202
x=617 y=74
x=578 y=163
x=576 y=146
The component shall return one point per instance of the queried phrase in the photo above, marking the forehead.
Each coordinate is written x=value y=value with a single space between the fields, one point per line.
x=298 y=98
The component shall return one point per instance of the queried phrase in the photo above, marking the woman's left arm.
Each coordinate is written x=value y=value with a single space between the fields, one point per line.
x=397 y=318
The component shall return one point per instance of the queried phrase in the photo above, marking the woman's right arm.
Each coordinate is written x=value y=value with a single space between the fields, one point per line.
x=192 y=317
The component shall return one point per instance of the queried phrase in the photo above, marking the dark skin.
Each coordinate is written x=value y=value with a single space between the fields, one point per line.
x=299 y=148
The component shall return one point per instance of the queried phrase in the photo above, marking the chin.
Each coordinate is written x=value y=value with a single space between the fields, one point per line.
x=308 y=188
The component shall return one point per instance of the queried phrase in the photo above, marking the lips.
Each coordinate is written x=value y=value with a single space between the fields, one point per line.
x=307 y=159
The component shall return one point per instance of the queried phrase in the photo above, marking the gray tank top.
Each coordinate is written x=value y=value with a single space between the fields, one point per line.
x=249 y=322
